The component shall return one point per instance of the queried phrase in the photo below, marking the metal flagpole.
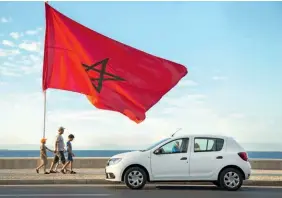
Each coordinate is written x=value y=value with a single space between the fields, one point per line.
x=44 y=117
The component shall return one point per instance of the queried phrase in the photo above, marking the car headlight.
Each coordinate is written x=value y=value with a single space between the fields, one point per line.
x=114 y=161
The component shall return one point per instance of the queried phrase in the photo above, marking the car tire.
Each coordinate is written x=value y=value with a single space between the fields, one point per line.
x=135 y=178
x=216 y=183
x=231 y=179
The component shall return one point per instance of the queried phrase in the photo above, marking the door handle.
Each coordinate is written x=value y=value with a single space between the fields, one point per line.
x=219 y=157
x=183 y=158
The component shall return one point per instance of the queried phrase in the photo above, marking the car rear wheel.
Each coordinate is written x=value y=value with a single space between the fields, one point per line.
x=231 y=179
x=135 y=178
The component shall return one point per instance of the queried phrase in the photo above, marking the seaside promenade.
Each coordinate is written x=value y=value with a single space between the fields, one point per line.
x=20 y=171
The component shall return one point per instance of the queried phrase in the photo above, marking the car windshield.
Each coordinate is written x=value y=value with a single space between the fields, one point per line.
x=156 y=144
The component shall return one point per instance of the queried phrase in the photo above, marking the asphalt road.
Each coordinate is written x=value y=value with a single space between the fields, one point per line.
x=77 y=191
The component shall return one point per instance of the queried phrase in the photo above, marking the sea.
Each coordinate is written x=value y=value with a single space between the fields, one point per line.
x=109 y=153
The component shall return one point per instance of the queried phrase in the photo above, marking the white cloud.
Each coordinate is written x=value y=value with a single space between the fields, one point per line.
x=186 y=99
x=31 y=46
x=3 y=83
x=9 y=69
x=219 y=78
x=22 y=65
x=5 y=20
x=4 y=52
x=33 y=32
x=184 y=83
x=15 y=35
x=34 y=58
x=10 y=58
x=100 y=128
x=8 y=72
x=8 y=43
x=237 y=115
x=96 y=128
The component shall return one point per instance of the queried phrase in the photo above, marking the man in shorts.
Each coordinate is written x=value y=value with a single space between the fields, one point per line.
x=59 y=150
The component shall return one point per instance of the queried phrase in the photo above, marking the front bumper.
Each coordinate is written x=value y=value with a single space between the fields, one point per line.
x=113 y=173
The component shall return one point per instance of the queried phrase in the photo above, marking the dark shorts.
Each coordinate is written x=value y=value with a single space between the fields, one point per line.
x=60 y=156
x=70 y=157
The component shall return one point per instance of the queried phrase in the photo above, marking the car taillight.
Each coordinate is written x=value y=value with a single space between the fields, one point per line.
x=244 y=156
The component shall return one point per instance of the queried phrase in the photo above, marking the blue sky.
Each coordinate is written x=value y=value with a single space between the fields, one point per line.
x=233 y=52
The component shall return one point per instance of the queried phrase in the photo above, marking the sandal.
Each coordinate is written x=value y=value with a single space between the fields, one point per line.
x=62 y=171
x=46 y=173
x=51 y=171
x=37 y=171
x=72 y=172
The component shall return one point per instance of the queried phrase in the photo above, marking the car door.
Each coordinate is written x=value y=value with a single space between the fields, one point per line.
x=206 y=157
x=170 y=163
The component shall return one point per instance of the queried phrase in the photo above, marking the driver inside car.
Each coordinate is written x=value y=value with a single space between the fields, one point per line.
x=175 y=148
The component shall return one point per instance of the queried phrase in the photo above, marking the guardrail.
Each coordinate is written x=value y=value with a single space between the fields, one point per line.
x=93 y=162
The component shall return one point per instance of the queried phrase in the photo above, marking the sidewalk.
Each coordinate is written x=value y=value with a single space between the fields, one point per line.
x=96 y=176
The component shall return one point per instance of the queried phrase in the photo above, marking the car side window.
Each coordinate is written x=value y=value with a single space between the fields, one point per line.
x=208 y=144
x=175 y=146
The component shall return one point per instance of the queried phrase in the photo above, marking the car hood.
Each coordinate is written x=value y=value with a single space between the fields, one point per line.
x=127 y=154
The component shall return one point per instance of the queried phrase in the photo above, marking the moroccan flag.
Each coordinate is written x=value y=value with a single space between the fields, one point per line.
x=113 y=76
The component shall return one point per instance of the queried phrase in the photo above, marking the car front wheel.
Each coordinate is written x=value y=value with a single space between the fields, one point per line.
x=135 y=178
x=216 y=183
x=231 y=179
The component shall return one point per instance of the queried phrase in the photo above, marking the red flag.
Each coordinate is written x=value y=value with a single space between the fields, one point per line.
x=114 y=76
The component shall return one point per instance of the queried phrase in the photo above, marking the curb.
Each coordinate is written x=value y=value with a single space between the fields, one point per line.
x=102 y=181
x=51 y=181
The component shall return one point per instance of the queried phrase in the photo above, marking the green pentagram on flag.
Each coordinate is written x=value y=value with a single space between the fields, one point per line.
x=103 y=74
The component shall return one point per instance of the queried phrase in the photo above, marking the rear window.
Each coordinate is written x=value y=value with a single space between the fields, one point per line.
x=208 y=144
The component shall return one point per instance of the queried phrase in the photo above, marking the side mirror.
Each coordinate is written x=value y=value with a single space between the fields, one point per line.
x=158 y=151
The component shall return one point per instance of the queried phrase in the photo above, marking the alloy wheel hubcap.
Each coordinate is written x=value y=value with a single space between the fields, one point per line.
x=231 y=179
x=135 y=178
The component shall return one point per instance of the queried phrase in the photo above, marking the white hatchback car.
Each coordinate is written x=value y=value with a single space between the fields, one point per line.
x=194 y=158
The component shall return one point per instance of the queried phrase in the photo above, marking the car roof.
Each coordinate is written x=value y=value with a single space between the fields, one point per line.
x=201 y=136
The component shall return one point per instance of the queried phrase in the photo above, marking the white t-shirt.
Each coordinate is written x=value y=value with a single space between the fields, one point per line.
x=61 y=144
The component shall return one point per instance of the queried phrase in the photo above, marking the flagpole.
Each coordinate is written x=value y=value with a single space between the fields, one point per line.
x=44 y=116
x=44 y=113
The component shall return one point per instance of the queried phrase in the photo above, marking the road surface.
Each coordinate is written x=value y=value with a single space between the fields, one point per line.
x=82 y=191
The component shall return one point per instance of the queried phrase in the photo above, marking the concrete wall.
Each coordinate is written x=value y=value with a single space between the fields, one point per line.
x=29 y=163
x=266 y=164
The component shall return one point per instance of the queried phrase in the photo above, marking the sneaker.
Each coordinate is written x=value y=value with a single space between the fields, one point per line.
x=46 y=173
x=37 y=171
x=51 y=171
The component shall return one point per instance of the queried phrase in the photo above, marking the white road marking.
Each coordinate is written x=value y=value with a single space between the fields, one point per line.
x=55 y=195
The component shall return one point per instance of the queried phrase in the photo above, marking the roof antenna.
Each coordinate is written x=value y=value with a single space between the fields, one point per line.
x=176 y=131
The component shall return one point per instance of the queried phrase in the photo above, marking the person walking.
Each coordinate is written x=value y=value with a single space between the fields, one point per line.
x=43 y=156
x=59 y=150
x=56 y=166
x=70 y=156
